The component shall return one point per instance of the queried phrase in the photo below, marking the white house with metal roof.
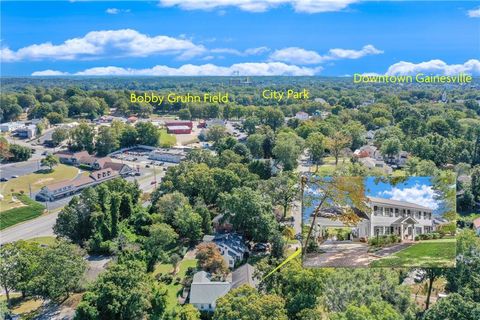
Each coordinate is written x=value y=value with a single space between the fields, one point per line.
x=204 y=292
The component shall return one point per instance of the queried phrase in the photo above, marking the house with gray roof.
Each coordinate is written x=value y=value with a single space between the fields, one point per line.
x=232 y=247
x=385 y=217
x=244 y=275
x=204 y=292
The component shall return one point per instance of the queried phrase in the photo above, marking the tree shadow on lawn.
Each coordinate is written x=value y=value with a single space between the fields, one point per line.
x=424 y=254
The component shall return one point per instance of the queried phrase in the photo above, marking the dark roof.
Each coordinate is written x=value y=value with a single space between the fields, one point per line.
x=243 y=275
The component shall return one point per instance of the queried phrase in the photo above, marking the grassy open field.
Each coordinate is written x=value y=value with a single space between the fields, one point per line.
x=34 y=180
x=174 y=290
x=167 y=139
x=30 y=209
x=428 y=253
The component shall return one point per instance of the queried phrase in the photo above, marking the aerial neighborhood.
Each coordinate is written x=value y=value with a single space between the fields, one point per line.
x=193 y=205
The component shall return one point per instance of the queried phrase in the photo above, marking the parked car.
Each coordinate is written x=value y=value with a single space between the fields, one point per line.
x=137 y=173
x=147 y=166
x=153 y=182
x=14 y=176
x=3 y=180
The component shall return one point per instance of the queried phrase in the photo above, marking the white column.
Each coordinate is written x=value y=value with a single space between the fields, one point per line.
x=401 y=231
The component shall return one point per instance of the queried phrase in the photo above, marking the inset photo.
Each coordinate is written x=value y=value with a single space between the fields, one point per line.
x=379 y=222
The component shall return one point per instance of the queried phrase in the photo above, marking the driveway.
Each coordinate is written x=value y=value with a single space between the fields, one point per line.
x=339 y=254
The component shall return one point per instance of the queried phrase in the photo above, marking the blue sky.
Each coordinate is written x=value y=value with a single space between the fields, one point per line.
x=173 y=37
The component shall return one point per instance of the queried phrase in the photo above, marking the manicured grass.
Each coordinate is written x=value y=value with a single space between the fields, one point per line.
x=428 y=253
x=34 y=180
x=174 y=290
x=32 y=209
x=167 y=139
x=47 y=241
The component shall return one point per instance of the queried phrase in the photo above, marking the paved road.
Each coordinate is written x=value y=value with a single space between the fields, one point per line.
x=38 y=227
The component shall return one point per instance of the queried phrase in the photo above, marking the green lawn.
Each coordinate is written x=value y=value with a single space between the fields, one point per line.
x=34 y=180
x=167 y=139
x=47 y=241
x=428 y=253
x=174 y=290
x=30 y=210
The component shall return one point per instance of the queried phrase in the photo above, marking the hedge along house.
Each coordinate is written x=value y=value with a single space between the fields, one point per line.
x=385 y=217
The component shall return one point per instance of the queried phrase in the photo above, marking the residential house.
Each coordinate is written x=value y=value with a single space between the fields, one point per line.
x=372 y=163
x=368 y=151
x=244 y=275
x=232 y=247
x=385 y=217
x=204 y=292
x=301 y=115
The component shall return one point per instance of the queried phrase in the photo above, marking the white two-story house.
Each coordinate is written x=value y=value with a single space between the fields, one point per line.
x=384 y=217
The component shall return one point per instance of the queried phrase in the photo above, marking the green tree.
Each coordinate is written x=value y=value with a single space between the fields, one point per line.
x=148 y=134
x=249 y=212
x=454 y=307
x=123 y=292
x=129 y=137
x=255 y=145
x=49 y=161
x=216 y=132
x=250 y=124
x=161 y=237
x=188 y=224
x=336 y=143
x=283 y=189
x=18 y=264
x=19 y=153
x=107 y=141
x=288 y=147
x=316 y=146
x=83 y=137
x=61 y=269
x=245 y=303
x=184 y=114
x=59 y=135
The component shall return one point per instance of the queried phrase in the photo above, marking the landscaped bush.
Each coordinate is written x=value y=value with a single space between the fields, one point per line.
x=166 y=278
x=384 y=240
x=429 y=236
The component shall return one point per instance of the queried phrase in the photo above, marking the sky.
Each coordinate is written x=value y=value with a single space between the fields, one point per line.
x=416 y=190
x=244 y=37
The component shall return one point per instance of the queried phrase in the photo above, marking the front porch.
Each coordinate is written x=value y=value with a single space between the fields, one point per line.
x=404 y=228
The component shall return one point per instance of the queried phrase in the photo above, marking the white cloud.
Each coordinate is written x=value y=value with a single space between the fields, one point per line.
x=296 y=55
x=437 y=67
x=247 y=68
x=302 y=56
x=305 y=6
x=106 y=43
x=116 y=10
x=247 y=52
x=474 y=13
x=49 y=73
x=419 y=194
x=353 y=54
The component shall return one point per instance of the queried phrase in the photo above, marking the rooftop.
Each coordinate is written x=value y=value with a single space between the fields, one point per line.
x=397 y=203
x=205 y=291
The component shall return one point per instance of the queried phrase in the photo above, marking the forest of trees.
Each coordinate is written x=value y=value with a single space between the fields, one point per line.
x=252 y=183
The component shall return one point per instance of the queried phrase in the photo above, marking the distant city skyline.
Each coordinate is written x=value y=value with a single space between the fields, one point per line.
x=245 y=37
